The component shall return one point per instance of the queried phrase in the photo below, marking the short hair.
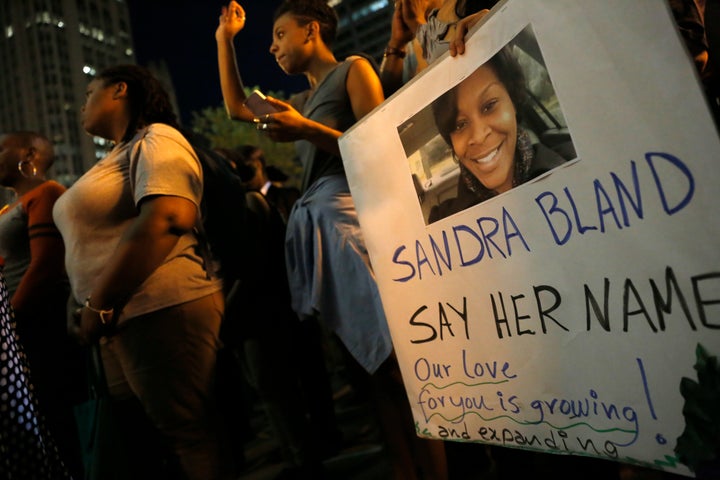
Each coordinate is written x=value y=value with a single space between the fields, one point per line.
x=510 y=74
x=306 y=11
x=148 y=100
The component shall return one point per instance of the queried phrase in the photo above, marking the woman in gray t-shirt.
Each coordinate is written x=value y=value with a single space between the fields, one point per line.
x=134 y=268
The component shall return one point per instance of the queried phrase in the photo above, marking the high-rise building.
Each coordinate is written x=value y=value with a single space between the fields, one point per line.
x=49 y=51
x=364 y=27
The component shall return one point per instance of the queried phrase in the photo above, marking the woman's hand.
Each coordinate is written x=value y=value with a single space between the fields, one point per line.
x=84 y=325
x=413 y=13
x=400 y=33
x=91 y=326
x=287 y=125
x=457 y=46
x=231 y=21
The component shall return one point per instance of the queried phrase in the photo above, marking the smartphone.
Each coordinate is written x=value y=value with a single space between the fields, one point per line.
x=258 y=104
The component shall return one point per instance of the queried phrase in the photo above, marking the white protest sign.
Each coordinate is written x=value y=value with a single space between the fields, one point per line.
x=563 y=314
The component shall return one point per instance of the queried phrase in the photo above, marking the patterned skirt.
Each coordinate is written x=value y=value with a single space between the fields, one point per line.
x=27 y=451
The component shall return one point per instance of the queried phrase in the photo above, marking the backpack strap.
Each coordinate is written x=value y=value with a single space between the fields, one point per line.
x=205 y=251
x=134 y=155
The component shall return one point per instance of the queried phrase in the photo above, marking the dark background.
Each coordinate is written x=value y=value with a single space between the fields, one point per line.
x=182 y=33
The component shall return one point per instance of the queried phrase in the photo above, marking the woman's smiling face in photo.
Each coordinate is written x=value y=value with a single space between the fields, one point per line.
x=485 y=131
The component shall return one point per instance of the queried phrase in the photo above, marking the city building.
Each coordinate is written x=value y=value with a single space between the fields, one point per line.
x=364 y=27
x=49 y=51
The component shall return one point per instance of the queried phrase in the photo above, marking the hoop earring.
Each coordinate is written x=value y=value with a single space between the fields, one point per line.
x=22 y=170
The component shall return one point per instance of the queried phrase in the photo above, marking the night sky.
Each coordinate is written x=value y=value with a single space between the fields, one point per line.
x=182 y=32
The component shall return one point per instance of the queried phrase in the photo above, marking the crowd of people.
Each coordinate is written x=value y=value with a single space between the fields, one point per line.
x=118 y=262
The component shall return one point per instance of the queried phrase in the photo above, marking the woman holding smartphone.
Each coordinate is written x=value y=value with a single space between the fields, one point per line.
x=329 y=270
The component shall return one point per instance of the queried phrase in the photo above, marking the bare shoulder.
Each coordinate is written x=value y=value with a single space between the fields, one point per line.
x=362 y=65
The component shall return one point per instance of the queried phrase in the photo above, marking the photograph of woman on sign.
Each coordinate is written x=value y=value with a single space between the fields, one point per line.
x=498 y=128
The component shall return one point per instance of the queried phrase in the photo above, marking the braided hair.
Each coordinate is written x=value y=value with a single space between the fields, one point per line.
x=148 y=100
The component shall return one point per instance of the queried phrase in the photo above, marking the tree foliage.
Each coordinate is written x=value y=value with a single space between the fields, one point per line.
x=699 y=445
x=220 y=131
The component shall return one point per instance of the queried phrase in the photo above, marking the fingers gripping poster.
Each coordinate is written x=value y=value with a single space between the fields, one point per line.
x=541 y=216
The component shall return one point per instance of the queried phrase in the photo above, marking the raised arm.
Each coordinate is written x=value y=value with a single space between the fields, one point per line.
x=391 y=68
x=231 y=21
